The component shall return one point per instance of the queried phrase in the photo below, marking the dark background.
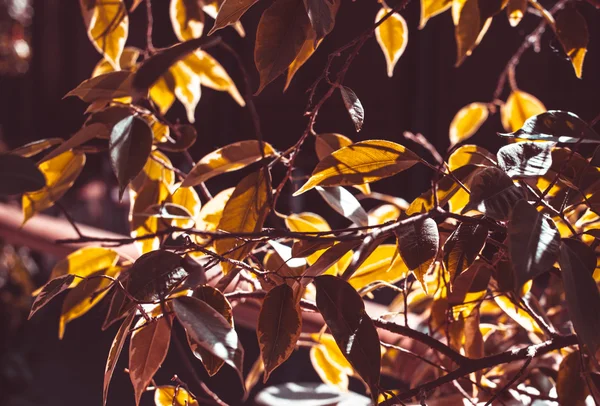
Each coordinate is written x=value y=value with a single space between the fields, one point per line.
x=423 y=96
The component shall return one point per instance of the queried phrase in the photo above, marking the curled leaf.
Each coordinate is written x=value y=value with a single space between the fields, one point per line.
x=354 y=107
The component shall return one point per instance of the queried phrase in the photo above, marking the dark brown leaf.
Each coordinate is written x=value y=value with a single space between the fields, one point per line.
x=418 y=245
x=230 y=13
x=109 y=86
x=321 y=14
x=493 y=193
x=572 y=32
x=114 y=353
x=49 y=291
x=154 y=275
x=354 y=107
x=570 y=388
x=19 y=175
x=463 y=246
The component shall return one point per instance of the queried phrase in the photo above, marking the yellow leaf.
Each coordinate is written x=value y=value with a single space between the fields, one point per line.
x=383 y=214
x=162 y=92
x=244 y=212
x=128 y=60
x=518 y=314
x=187 y=88
x=188 y=198
x=470 y=154
x=328 y=371
x=60 y=173
x=107 y=27
x=307 y=222
x=470 y=27
x=572 y=32
x=467 y=121
x=308 y=48
x=518 y=108
x=515 y=10
x=141 y=222
x=384 y=264
x=359 y=163
x=431 y=8
x=227 y=159
x=333 y=352
x=173 y=396
x=187 y=19
x=210 y=214
x=212 y=74
x=156 y=168
x=392 y=36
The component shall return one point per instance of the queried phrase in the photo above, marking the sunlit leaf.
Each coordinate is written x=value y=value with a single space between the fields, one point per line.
x=327 y=260
x=35 y=147
x=308 y=48
x=577 y=263
x=114 y=353
x=128 y=60
x=534 y=242
x=130 y=145
x=49 y=291
x=463 y=246
x=162 y=92
x=281 y=32
x=519 y=315
x=107 y=27
x=229 y=158
x=147 y=351
x=187 y=198
x=384 y=214
x=328 y=371
x=515 y=10
x=431 y=8
x=353 y=106
x=19 y=175
x=230 y=13
x=525 y=159
x=210 y=214
x=345 y=204
x=157 y=168
x=210 y=330
x=245 y=211
x=556 y=126
x=493 y=193
x=344 y=312
x=279 y=327
x=141 y=223
x=359 y=163
x=383 y=264
x=187 y=88
x=572 y=32
x=470 y=154
x=173 y=396
x=187 y=18
x=469 y=288
x=392 y=36
x=518 y=108
x=470 y=26
x=467 y=121
x=60 y=173
x=418 y=244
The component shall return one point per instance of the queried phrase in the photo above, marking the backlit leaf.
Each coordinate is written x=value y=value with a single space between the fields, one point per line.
x=463 y=246
x=534 y=242
x=230 y=13
x=469 y=289
x=187 y=198
x=467 y=121
x=130 y=145
x=431 y=8
x=187 y=18
x=104 y=87
x=321 y=14
x=328 y=371
x=173 y=396
x=85 y=134
x=525 y=159
x=162 y=92
x=229 y=158
x=493 y=193
x=279 y=327
x=418 y=244
x=114 y=353
x=210 y=330
x=327 y=260
x=519 y=315
x=353 y=106
x=470 y=154
x=147 y=351
x=515 y=10
x=210 y=214
x=518 y=108
x=156 y=169
x=245 y=211
x=572 y=32
x=107 y=27
x=383 y=264
x=577 y=263
x=141 y=222
x=308 y=48
x=344 y=312
x=128 y=60
x=84 y=262
x=49 y=291
x=60 y=173
x=392 y=36
x=281 y=32
x=34 y=148
x=19 y=175
x=187 y=88
x=345 y=204
x=359 y=163
x=471 y=26
x=556 y=126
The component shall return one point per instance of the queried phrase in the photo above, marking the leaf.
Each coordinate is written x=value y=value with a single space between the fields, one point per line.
x=115 y=351
x=308 y=48
x=85 y=134
x=281 y=32
x=470 y=154
x=153 y=275
x=279 y=327
x=572 y=32
x=210 y=214
x=467 y=122
x=493 y=193
x=463 y=246
x=219 y=302
x=354 y=107
x=470 y=27
x=245 y=211
x=577 y=263
x=141 y=221
x=518 y=315
x=187 y=88
x=329 y=372
x=230 y=158
x=156 y=169
x=107 y=26
x=19 y=175
x=230 y=13
x=526 y=159
x=534 y=242
x=321 y=14
x=187 y=198
x=556 y=126
x=382 y=265
x=119 y=305
x=359 y=163
x=187 y=19
x=127 y=61
x=173 y=396
x=130 y=145
x=519 y=107
x=418 y=245
x=34 y=148
x=515 y=10
x=60 y=173
x=469 y=289
x=162 y=92
x=210 y=330
x=570 y=388
x=328 y=259
x=431 y=8
x=345 y=204
x=344 y=312
x=49 y=291
x=147 y=351
x=109 y=86
x=392 y=36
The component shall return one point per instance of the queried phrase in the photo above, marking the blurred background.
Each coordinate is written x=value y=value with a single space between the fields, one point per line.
x=45 y=52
